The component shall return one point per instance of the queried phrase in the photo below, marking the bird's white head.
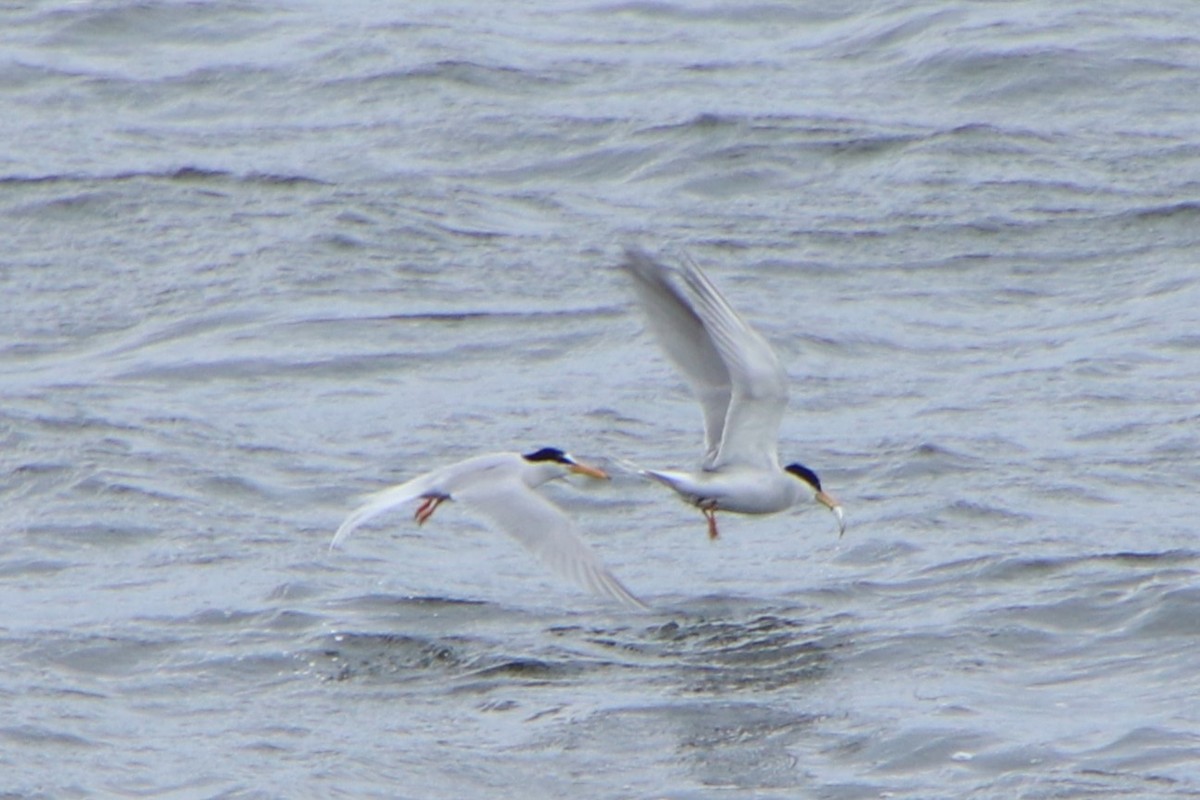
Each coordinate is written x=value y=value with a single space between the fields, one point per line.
x=809 y=477
x=554 y=456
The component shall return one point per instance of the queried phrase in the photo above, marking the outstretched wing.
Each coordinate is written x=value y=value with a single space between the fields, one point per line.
x=445 y=480
x=383 y=501
x=759 y=382
x=545 y=531
x=682 y=335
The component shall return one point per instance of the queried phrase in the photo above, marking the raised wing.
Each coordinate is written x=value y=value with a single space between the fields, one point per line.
x=759 y=382
x=547 y=533
x=682 y=334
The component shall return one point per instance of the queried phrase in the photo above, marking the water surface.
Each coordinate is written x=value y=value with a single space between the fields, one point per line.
x=259 y=261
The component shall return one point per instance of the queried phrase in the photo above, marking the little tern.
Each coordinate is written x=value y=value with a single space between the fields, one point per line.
x=742 y=389
x=500 y=487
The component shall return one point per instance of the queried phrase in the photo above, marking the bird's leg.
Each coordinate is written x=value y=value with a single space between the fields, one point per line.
x=428 y=506
x=709 y=507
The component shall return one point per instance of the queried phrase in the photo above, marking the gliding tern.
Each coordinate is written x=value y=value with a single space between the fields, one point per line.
x=500 y=486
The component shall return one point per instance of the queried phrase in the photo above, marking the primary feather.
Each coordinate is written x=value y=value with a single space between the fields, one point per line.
x=732 y=370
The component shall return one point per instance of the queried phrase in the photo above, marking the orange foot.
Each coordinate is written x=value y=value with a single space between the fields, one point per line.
x=426 y=509
x=710 y=513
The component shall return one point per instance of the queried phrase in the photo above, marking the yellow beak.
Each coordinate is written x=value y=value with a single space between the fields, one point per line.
x=827 y=500
x=588 y=469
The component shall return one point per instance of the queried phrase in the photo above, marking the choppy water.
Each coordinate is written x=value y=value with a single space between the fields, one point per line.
x=257 y=260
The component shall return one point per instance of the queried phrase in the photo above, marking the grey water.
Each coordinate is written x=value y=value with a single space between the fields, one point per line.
x=258 y=260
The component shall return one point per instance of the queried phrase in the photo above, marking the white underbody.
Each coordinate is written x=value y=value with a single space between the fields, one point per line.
x=744 y=490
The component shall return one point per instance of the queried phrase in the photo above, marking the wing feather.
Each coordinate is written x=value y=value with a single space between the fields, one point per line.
x=759 y=381
x=732 y=369
x=445 y=480
x=383 y=501
x=491 y=485
x=546 y=532
x=681 y=333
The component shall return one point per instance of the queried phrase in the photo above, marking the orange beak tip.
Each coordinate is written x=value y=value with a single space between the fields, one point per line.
x=834 y=506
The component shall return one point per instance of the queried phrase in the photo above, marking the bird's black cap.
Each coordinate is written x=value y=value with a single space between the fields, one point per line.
x=548 y=454
x=805 y=474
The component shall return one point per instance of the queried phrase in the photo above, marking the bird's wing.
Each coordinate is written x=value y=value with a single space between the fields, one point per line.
x=444 y=480
x=759 y=382
x=545 y=531
x=383 y=501
x=682 y=334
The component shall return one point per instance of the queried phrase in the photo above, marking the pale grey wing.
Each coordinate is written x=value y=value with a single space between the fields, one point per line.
x=547 y=532
x=759 y=382
x=383 y=501
x=379 y=503
x=445 y=480
x=683 y=336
